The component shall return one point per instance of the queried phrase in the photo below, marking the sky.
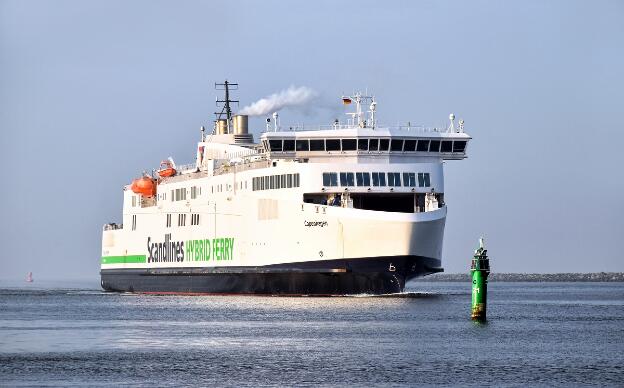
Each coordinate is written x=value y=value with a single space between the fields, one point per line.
x=92 y=93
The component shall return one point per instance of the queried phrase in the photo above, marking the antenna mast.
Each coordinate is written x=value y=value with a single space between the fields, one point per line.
x=226 y=103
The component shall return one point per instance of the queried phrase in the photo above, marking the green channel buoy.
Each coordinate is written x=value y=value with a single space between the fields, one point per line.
x=479 y=271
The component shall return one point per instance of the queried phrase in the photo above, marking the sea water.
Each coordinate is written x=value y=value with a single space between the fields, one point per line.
x=537 y=334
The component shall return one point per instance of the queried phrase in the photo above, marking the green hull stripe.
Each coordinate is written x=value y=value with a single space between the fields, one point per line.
x=123 y=259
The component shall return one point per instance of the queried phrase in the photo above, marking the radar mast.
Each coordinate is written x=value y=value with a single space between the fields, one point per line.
x=226 y=109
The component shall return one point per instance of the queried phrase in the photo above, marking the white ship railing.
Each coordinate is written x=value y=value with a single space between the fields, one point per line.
x=407 y=128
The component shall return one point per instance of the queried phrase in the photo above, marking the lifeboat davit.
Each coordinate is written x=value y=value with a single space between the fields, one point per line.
x=144 y=186
x=166 y=169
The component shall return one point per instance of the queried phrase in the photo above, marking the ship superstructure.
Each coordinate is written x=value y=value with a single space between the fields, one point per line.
x=346 y=209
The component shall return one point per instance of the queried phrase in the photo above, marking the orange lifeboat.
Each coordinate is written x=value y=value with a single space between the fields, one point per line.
x=166 y=169
x=145 y=186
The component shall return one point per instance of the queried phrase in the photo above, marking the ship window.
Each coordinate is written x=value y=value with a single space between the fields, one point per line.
x=383 y=144
x=276 y=145
x=289 y=181
x=267 y=184
x=289 y=145
x=302 y=145
x=423 y=146
x=346 y=179
x=284 y=181
x=349 y=144
x=447 y=146
x=317 y=145
x=363 y=144
x=133 y=201
x=379 y=179
x=410 y=145
x=394 y=179
x=424 y=179
x=134 y=223
x=272 y=182
x=296 y=180
x=362 y=178
x=396 y=145
x=332 y=144
x=374 y=145
x=434 y=146
x=459 y=146
x=330 y=179
x=168 y=221
x=409 y=179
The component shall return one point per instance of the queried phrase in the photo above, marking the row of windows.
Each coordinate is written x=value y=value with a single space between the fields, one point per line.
x=181 y=220
x=395 y=145
x=271 y=182
x=378 y=179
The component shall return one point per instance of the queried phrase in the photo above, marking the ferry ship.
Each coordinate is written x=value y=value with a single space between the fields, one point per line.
x=348 y=208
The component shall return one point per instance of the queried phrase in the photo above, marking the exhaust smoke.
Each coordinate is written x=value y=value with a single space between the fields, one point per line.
x=292 y=96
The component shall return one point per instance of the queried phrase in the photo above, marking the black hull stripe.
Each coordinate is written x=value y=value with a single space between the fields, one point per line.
x=379 y=275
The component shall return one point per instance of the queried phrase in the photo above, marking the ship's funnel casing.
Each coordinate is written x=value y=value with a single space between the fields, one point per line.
x=241 y=124
x=222 y=127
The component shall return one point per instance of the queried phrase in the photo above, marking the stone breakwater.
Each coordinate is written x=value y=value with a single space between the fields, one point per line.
x=530 y=277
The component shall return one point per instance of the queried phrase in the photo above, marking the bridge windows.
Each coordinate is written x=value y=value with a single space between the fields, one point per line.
x=349 y=144
x=289 y=145
x=447 y=146
x=194 y=219
x=459 y=146
x=396 y=145
x=332 y=144
x=317 y=145
x=181 y=219
x=434 y=146
x=410 y=145
x=302 y=145
x=423 y=146
x=424 y=179
x=362 y=144
x=276 y=145
x=168 y=221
